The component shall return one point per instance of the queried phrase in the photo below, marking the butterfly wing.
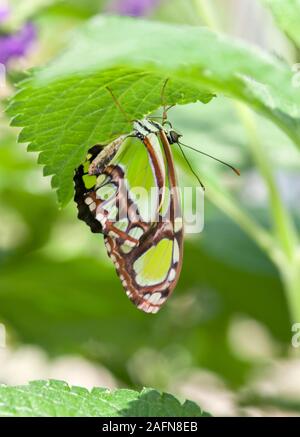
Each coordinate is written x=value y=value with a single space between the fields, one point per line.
x=149 y=270
x=143 y=237
x=122 y=174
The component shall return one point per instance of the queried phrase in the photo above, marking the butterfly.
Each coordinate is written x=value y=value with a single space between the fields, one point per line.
x=143 y=231
x=144 y=240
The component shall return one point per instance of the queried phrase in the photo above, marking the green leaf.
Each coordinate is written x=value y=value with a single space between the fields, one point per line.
x=56 y=398
x=65 y=107
x=287 y=16
x=64 y=119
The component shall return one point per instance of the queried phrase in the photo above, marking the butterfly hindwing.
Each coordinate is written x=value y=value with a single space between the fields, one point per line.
x=149 y=271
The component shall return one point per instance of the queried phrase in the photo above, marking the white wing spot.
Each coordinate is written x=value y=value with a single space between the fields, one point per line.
x=122 y=225
x=100 y=216
x=92 y=206
x=113 y=234
x=113 y=214
x=126 y=249
x=145 y=307
x=106 y=192
x=176 y=252
x=178 y=224
x=172 y=275
x=129 y=243
x=154 y=298
x=154 y=310
x=136 y=232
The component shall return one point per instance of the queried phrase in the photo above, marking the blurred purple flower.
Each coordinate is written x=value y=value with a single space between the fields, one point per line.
x=16 y=44
x=4 y=13
x=134 y=8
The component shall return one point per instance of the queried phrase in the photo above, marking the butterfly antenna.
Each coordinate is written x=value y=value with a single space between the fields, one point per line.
x=118 y=105
x=191 y=168
x=163 y=101
x=236 y=171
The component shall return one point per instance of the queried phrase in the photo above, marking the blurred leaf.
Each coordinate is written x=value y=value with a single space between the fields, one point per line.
x=282 y=402
x=56 y=399
x=32 y=208
x=79 y=306
x=287 y=16
x=226 y=241
x=83 y=8
x=65 y=107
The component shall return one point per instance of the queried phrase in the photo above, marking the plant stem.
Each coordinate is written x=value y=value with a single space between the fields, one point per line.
x=283 y=224
x=290 y=275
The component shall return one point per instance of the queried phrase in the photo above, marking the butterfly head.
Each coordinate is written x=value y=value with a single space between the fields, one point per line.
x=173 y=136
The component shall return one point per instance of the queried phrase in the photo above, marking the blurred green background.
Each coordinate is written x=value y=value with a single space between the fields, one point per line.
x=224 y=338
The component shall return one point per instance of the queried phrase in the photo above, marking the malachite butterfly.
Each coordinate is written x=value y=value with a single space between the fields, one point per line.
x=144 y=239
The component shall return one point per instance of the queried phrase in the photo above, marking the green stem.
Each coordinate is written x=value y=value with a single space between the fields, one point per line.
x=290 y=275
x=284 y=228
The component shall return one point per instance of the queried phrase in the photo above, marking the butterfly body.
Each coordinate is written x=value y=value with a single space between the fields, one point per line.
x=144 y=240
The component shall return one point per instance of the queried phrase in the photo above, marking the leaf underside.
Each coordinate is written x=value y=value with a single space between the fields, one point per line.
x=65 y=107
